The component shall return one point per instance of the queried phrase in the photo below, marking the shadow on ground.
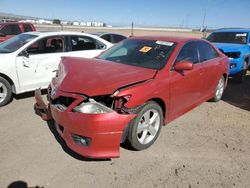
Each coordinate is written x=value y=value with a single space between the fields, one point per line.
x=238 y=94
x=59 y=139
x=21 y=184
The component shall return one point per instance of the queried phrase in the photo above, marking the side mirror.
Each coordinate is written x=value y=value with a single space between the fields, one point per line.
x=183 y=65
x=2 y=35
x=25 y=54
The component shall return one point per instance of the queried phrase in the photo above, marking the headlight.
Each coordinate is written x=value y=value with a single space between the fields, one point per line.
x=92 y=107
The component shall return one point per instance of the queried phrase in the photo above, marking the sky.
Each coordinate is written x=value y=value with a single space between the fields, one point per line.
x=156 y=13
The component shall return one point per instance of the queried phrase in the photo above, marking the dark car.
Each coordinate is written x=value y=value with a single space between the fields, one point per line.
x=10 y=29
x=130 y=91
x=110 y=37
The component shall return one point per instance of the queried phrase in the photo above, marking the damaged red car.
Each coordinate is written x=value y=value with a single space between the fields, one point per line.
x=130 y=91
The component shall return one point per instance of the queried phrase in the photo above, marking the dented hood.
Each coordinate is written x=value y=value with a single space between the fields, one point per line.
x=95 y=77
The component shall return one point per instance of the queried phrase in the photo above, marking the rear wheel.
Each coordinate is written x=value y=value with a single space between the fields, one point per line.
x=5 y=92
x=240 y=77
x=219 y=90
x=146 y=127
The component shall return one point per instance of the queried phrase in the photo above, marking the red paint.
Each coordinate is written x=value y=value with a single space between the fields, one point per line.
x=179 y=91
x=19 y=24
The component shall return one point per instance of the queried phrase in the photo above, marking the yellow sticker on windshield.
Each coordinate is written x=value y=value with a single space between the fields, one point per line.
x=145 y=49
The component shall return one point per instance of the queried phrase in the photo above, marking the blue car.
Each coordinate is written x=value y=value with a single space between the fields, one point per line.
x=234 y=43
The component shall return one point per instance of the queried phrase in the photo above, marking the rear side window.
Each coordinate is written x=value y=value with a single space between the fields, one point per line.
x=85 y=43
x=27 y=28
x=206 y=51
x=11 y=30
x=189 y=52
x=118 y=38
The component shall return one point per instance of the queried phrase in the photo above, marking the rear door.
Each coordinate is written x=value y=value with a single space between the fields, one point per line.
x=186 y=87
x=210 y=60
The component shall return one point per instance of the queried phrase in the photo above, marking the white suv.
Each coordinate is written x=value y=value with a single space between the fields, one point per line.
x=30 y=60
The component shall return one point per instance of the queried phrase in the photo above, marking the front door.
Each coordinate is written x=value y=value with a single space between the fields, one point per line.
x=39 y=65
x=186 y=87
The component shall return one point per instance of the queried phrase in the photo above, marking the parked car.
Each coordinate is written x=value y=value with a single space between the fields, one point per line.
x=130 y=91
x=234 y=43
x=10 y=29
x=110 y=37
x=30 y=60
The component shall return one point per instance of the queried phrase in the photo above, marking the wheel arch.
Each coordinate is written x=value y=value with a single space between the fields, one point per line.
x=10 y=81
x=161 y=103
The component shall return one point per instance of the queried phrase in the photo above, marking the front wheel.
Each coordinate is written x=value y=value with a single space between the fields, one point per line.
x=219 y=90
x=5 y=92
x=146 y=127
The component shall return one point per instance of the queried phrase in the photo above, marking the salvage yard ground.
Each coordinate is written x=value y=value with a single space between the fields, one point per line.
x=207 y=147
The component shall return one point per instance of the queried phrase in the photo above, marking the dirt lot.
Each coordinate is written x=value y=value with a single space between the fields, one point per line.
x=207 y=147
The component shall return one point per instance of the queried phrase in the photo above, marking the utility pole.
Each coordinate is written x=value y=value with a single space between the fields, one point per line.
x=132 y=29
x=204 y=27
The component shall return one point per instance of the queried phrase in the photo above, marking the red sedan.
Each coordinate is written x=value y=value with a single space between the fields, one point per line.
x=130 y=91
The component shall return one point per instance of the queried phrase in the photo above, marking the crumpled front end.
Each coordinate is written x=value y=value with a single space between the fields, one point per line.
x=93 y=135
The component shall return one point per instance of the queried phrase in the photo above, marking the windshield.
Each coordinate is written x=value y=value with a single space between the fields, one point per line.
x=228 y=37
x=15 y=43
x=142 y=53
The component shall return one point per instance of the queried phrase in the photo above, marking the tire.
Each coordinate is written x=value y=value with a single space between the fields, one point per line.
x=5 y=92
x=141 y=133
x=241 y=76
x=219 y=90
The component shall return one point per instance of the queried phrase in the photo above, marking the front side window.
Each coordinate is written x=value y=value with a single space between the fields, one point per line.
x=53 y=44
x=189 y=52
x=142 y=53
x=206 y=51
x=11 y=30
x=228 y=37
x=15 y=43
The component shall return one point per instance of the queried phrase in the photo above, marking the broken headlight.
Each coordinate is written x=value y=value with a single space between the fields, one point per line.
x=92 y=107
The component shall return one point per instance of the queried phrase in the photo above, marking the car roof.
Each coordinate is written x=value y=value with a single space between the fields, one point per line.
x=9 y=23
x=53 y=33
x=166 y=38
x=233 y=30
x=104 y=33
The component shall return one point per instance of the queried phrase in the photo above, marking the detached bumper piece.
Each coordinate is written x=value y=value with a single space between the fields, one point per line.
x=40 y=107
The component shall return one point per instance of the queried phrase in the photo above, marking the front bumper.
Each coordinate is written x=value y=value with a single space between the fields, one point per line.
x=104 y=130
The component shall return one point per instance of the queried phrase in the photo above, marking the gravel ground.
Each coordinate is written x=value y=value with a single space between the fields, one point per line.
x=207 y=147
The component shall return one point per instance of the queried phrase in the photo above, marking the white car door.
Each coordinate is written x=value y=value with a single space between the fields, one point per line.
x=39 y=62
